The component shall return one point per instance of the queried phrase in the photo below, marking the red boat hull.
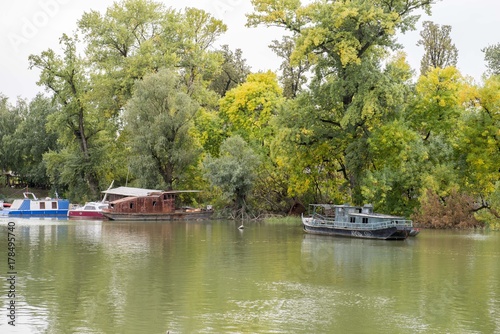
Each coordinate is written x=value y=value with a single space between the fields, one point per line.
x=85 y=214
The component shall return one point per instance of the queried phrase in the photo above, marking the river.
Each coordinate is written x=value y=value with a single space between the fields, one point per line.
x=211 y=277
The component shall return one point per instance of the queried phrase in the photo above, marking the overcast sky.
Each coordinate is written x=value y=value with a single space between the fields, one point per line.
x=32 y=26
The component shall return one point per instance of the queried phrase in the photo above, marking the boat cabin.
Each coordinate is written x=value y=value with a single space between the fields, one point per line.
x=157 y=202
x=354 y=214
x=346 y=213
x=31 y=205
x=93 y=206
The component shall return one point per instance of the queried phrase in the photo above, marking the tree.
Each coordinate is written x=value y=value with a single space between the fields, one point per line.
x=438 y=105
x=137 y=37
x=234 y=71
x=478 y=147
x=81 y=129
x=479 y=141
x=439 y=51
x=492 y=58
x=9 y=120
x=349 y=94
x=159 y=118
x=293 y=76
x=31 y=140
x=199 y=65
x=133 y=38
x=399 y=157
x=247 y=109
x=233 y=171
x=437 y=117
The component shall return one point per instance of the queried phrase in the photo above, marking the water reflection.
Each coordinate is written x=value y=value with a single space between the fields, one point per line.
x=210 y=277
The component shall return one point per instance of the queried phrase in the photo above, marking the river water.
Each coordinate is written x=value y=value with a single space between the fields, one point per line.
x=211 y=277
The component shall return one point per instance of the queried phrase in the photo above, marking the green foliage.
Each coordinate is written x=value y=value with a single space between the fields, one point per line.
x=159 y=119
x=199 y=65
x=9 y=120
x=234 y=171
x=83 y=132
x=489 y=213
x=438 y=107
x=293 y=75
x=30 y=141
x=350 y=94
x=344 y=30
x=234 y=71
x=133 y=38
x=209 y=131
x=136 y=37
x=479 y=143
x=398 y=156
x=439 y=51
x=309 y=164
x=492 y=58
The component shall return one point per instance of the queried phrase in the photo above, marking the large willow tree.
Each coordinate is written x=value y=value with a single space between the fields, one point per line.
x=350 y=93
x=159 y=119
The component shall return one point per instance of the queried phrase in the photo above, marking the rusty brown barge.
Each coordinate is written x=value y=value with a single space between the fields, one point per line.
x=137 y=204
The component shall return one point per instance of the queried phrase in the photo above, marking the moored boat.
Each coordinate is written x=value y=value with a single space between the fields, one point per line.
x=356 y=222
x=151 y=205
x=90 y=210
x=30 y=205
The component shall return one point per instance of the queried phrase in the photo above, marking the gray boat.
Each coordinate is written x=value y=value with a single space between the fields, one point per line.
x=355 y=222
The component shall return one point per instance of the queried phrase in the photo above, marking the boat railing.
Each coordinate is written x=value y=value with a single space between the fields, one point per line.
x=319 y=220
x=29 y=195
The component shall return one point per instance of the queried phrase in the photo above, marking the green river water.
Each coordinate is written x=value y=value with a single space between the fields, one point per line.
x=211 y=277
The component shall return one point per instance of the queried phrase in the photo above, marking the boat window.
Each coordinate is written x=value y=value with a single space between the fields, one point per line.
x=54 y=205
x=131 y=205
x=365 y=220
x=352 y=219
x=154 y=203
x=42 y=205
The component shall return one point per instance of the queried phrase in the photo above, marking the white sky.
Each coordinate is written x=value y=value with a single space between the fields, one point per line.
x=32 y=26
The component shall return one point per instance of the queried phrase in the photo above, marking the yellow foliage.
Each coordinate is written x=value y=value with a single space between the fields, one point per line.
x=250 y=106
x=442 y=86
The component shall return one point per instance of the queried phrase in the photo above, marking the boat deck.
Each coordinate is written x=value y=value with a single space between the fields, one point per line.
x=375 y=222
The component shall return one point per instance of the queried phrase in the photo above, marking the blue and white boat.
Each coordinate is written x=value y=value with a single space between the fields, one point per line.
x=30 y=205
